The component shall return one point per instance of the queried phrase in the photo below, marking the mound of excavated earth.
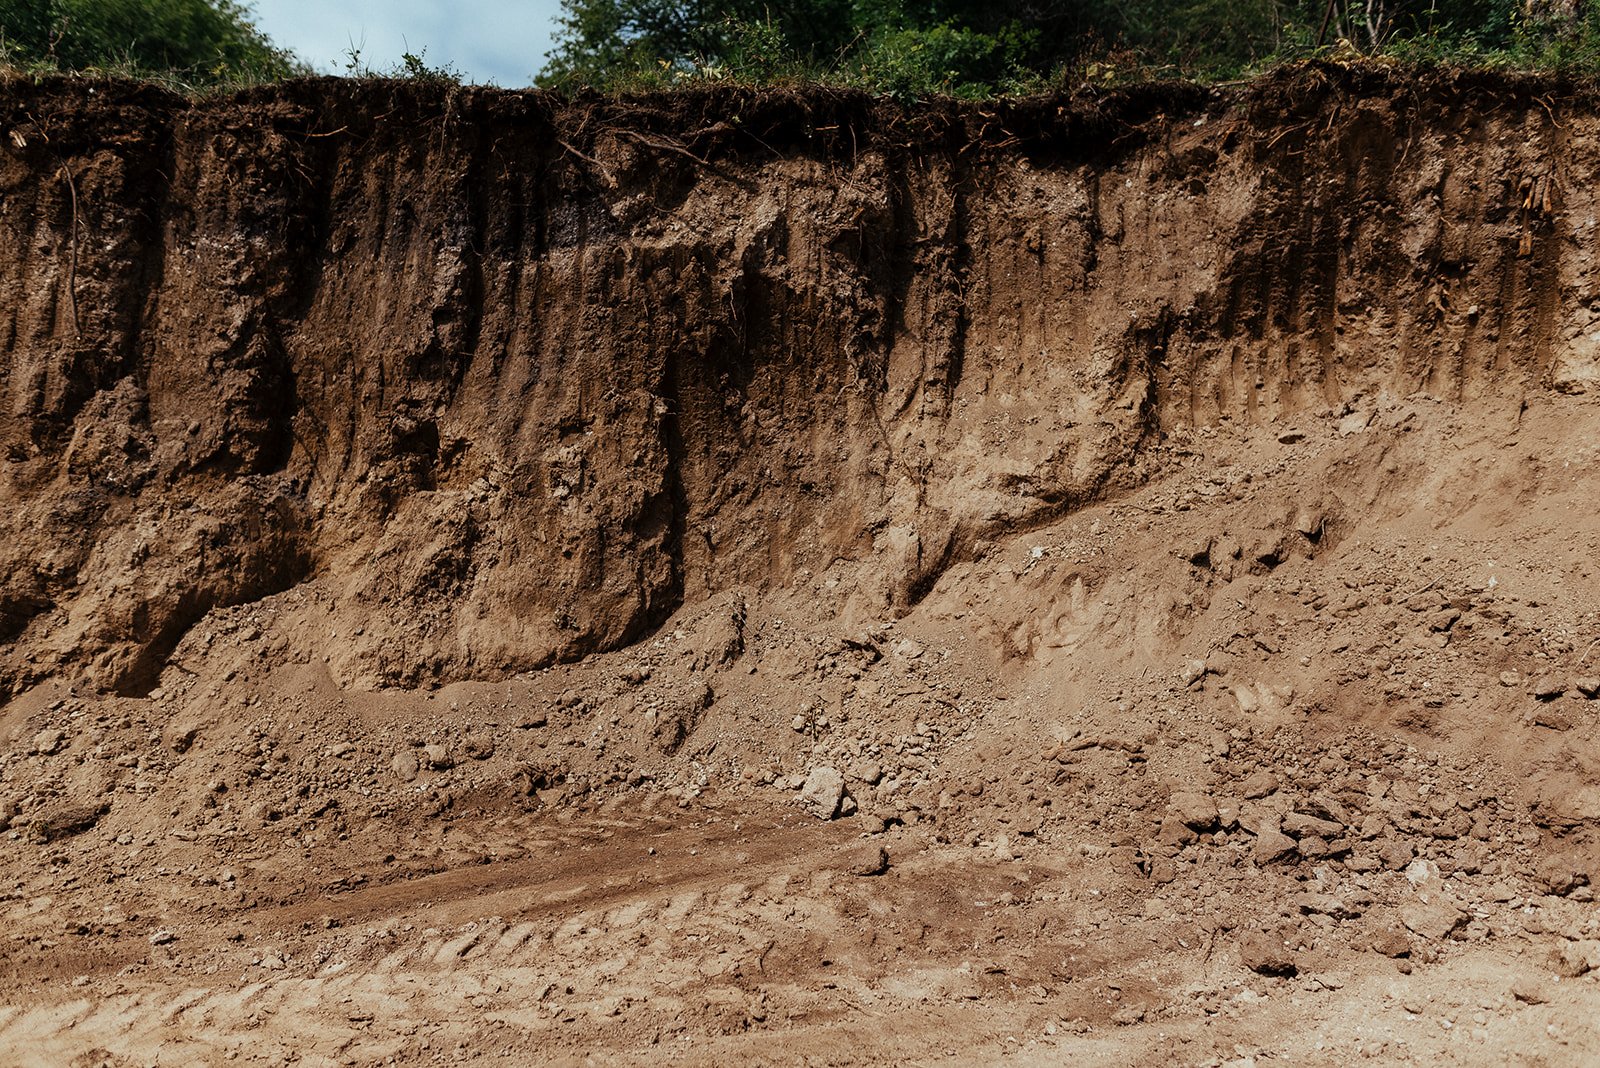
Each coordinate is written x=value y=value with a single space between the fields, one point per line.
x=734 y=577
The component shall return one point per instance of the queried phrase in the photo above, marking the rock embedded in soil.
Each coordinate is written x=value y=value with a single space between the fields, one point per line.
x=1588 y=685
x=1552 y=718
x=822 y=794
x=406 y=766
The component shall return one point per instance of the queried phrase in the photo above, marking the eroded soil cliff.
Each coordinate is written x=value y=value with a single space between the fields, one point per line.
x=1165 y=519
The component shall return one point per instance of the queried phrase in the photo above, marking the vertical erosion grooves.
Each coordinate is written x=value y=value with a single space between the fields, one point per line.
x=514 y=378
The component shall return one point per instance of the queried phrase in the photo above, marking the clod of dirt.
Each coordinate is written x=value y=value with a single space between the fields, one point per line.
x=66 y=822
x=1559 y=875
x=866 y=859
x=1266 y=955
x=1196 y=811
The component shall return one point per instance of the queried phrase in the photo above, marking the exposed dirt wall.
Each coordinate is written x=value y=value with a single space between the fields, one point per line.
x=513 y=378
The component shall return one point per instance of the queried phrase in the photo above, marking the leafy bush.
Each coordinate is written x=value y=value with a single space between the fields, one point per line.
x=198 y=41
x=941 y=60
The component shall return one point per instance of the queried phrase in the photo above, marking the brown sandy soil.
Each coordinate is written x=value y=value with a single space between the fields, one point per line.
x=779 y=579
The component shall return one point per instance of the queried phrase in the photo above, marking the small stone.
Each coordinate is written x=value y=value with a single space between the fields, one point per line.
x=1126 y=1017
x=1510 y=678
x=1421 y=872
x=1548 y=688
x=1274 y=846
x=478 y=748
x=437 y=757
x=1588 y=685
x=823 y=792
x=1195 y=810
x=798 y=723
x=1354 y=423
x=1530 y=992
x=1259 y=784
x=865 y=860
x=162 y=937
x=1266 y=956
x=48 y=741
x=406 y=766
x=1193 y=672
x=1291 y=436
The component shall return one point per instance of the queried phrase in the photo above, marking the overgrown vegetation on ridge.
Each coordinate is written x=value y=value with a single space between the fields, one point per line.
x=183 y=43
x=981 y=48
x=971 y=49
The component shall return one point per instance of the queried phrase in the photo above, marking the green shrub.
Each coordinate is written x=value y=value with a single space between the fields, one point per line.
x=198 y=41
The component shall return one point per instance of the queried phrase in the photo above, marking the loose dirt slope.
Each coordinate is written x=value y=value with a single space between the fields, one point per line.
x=456 y=545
